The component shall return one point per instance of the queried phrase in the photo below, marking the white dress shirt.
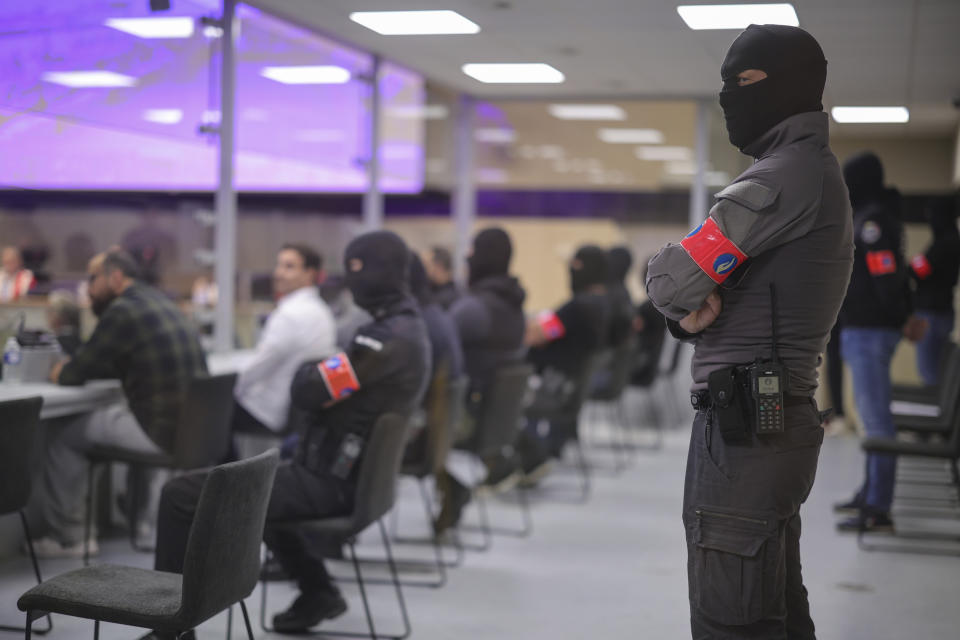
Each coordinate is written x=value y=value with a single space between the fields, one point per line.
x=301 y=328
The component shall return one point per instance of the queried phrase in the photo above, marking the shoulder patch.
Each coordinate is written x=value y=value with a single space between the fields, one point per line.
x=551 y=325
x=338 y=376
x=870 y=232
x=751 y=194
x=368 y=342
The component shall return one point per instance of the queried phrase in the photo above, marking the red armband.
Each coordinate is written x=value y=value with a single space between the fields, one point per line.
x=921 y=266
x=713 y=252
x=551 y=325
x=338 y=376
x=880 y=263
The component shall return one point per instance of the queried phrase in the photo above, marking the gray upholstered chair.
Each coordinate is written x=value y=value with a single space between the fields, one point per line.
x=221 y=566
x=20 y=420
x=376 y=493
x=202 y=440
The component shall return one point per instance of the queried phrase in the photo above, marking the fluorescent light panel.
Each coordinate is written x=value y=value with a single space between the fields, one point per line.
x=737 y=16
x=631 y=136
x=587 y=112
x=163 y=116
x=863 y=115
x=166 y=27
x=415 y=23
x=89 y=79
x=310 y=74
x=514 y=73
x=664 y=153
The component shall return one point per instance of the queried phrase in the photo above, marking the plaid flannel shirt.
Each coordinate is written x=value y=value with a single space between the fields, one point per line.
x=143 y=340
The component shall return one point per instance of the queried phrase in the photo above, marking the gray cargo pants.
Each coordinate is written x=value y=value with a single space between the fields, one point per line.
x=741 y=512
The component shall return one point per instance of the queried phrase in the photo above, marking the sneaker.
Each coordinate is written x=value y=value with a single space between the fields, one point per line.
x=502 y=476
x=47 y=547
x=309 y=610
x=851 y=507
x=867 y=523
x=455 y=499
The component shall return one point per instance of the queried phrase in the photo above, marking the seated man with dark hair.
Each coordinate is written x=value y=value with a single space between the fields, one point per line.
x=301 y=328
x=384 y=370
x=146 y=342
x=439 y=266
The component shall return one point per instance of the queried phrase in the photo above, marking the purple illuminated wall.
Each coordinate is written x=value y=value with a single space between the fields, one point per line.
x=298 y=138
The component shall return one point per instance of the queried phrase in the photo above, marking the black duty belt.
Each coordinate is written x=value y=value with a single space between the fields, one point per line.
x=701 y=400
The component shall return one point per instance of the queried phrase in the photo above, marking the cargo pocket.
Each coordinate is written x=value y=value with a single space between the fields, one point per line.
x=738 y=573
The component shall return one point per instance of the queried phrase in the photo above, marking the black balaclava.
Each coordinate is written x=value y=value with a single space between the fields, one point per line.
x=492 y=251
x=619 y=261
x=796 y=73
x=419 y=283
x=377 y=267
x=588 y=267
x=863 y=174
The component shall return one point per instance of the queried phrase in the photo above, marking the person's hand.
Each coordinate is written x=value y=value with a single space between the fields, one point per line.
x=57 y=368
x=915 y=328
x=697 y=321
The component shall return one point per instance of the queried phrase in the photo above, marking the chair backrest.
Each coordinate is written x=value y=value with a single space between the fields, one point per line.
x=501 y=408
x=671 y=366
x=949 y=376
x=19 y=420
x=379 y=468
x=618 y=367
x=203 y=432
x=222 y=563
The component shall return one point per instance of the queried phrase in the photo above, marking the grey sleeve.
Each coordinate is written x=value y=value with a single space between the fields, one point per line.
x=756 y=215
x=471 y=318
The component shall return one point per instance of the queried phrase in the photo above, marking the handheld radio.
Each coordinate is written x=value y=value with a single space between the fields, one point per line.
x=768 y=381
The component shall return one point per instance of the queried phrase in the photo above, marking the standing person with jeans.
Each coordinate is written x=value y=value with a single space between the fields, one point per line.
x=875 y=314
x=936 y=271
x=782 y=226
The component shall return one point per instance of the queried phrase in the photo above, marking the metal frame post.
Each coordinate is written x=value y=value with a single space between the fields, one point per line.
x=465 y=190
x=225 y=240
x=373 y=197
x=698 y=186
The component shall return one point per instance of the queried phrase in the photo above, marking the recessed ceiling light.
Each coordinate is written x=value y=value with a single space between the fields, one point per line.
x=419 y=23
x=631 y=136
x=89 y=79
x=495 y=136
x=737 y=16
x=587 y=112
x=310 y=74
x=664 y=153
x=163 y=116
x=514 y=73
x=321 y=136
x=416 y=111
x=883 y=115
x=683 y=168
x=153 y=27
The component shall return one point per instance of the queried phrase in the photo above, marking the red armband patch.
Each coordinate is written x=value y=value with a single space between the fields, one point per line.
x=921 y=266
x=338 y=376
x=880 y=263
x=551 y=325
x=713 y=252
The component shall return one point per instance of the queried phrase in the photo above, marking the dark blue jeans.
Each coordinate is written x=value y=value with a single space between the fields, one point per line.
x=930 y=349
x=868 y=352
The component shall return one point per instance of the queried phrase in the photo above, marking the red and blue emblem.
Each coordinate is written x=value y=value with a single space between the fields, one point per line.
x=338 y=376
x=714 y=253
x=552 y=328
x=880 y=263
x=921 y=266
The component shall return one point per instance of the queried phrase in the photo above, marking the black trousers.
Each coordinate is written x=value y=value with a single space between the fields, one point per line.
x=297 y=494
x=741 y=513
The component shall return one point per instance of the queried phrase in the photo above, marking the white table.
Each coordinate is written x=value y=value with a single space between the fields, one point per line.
x=61 y=401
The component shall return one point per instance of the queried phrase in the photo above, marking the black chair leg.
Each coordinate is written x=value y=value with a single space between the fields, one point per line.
x=96 y=630
x=363 y=590
x=229 y=622
x=36 y=572
x=396 y=581
x=246 y=619
x=89 y=516
x=29 y=626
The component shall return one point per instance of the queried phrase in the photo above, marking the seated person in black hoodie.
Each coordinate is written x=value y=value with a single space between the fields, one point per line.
x=562 y=345
x=383 y=370
x=620 y=338
x=490 y=321
x=650 y=329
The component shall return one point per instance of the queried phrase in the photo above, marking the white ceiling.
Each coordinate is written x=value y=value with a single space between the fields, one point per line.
x=880 y=52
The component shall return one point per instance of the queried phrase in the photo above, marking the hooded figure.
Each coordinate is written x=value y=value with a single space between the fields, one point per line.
x=444 y=339
x=491 y=254
x=796 y=73
x=588 y=268
x=863 y=174
x=377 y=270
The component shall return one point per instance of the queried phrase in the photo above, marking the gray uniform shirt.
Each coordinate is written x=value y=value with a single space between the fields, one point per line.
x=786 y=220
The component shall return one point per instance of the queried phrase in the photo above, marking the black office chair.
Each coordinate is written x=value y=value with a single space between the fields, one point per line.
x=924 y=394
x=607 y=402
x=202 y=440
x=220 y=568
x=20 y=420
x=376 y=493
x=497 y=423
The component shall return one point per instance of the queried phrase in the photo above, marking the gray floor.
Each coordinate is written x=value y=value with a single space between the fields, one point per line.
x=614 y=568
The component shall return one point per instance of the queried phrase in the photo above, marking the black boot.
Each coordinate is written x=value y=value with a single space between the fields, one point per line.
x=310 y=609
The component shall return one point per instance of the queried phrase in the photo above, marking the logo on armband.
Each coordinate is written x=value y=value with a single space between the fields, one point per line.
x=551 y=325
x=881 y=263
x=714 y=253
x=338 y=376
x=921 y=266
